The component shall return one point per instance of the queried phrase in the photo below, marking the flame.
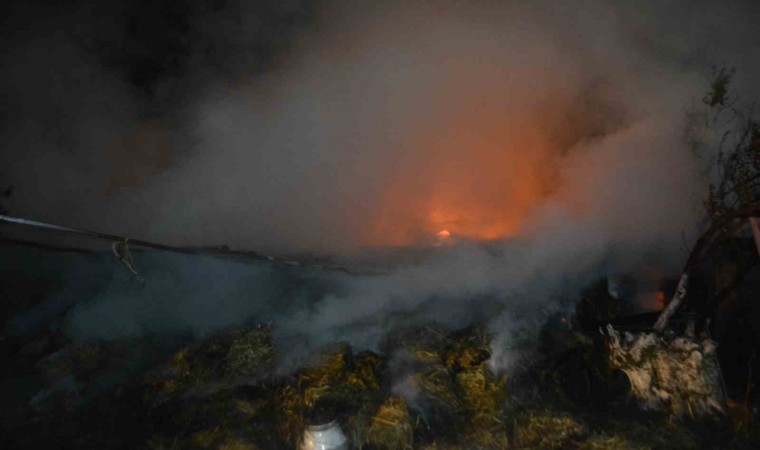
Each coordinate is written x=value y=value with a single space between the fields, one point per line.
x=653 y=301
x=478 y=180
x=443 y=237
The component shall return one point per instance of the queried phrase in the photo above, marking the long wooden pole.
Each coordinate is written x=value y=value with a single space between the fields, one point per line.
x=92 y=234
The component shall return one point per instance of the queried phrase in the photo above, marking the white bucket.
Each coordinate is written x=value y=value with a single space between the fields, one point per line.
x=324 y=437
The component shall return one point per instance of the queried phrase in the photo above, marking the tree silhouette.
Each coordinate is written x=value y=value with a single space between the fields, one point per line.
x=735 y=195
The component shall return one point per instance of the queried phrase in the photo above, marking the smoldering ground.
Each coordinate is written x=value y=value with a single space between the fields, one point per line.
x=559 y=134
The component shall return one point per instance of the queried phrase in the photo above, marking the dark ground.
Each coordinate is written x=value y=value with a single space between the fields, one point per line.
x=169 y=391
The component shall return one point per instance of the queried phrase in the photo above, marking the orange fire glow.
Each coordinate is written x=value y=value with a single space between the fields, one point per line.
x=444 y=234
x=479 y=180
x=444 y=237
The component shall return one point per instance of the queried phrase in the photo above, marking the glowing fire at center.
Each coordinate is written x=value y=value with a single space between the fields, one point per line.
x=443 y=237
x=478 y=176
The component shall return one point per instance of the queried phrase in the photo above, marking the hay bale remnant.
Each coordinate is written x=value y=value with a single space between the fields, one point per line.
x=547 y=430
x=249 y=353
x=449 y=388
x=391 y=427
x=680 y=376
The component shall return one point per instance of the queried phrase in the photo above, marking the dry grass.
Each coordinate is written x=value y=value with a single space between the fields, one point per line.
x=236 y=444
x=334 y=376
x=604 y=442
x=547 y=430
x=483 y=393
x=454 y=402
x=250 y=353
x=289 y=405
x=217 y=363
x=391 y=426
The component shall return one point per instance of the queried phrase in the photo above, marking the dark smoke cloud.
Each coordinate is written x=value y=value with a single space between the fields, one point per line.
x=285 y=128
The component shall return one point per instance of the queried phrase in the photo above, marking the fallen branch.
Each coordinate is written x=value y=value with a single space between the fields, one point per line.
x=722 y=228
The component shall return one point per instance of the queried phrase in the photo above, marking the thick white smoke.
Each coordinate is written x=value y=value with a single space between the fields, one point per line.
x=380 y=111
x=566 y=122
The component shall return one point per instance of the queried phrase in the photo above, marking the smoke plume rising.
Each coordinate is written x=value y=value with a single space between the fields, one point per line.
x=556 y=134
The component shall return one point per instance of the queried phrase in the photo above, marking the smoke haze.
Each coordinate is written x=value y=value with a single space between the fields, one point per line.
x=556 y=133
